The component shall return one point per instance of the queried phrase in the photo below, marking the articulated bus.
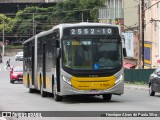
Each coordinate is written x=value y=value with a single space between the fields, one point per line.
x=66 y=60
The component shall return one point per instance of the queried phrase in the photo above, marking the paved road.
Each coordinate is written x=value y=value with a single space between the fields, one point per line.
x=12 y=62
x=15 y=97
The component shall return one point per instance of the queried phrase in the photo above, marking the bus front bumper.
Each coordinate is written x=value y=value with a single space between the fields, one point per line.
x=117 y=89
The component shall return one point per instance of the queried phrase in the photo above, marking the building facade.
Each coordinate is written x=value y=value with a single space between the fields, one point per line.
x=152 y=34
x=131 y=32
x=125 y=14
x=112 y=13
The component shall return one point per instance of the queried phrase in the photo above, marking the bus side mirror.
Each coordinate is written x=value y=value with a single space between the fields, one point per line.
x=124 y=52
x=58 y=52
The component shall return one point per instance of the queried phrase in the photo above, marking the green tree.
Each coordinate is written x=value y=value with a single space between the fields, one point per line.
x=42 y=19
x=31 y=18
x=72 y=10
x=6 y=23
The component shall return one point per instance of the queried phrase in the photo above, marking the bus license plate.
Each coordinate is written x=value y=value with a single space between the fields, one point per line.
x=93 y=92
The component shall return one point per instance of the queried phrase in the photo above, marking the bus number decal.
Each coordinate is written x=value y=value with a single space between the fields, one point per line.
x=104 y=31
x=92 y=31
x=73 y=32
x=85 y=31
x=68 y=43
x=109 y=31
x=79 y=31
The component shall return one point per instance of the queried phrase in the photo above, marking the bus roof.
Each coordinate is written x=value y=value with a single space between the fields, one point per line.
x=64 y=25
x=28 y=40
x=83 y=24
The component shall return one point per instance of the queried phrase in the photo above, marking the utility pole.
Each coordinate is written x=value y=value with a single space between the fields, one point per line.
x=139 y=35
x=33 y=25
x=142 y=20
x=3 y=40
x=82 y=16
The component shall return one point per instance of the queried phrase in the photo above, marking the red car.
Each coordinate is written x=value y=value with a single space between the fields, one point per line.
x=16 y=74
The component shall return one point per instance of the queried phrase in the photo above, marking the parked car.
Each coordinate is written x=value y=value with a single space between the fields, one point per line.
x=154 y=82
x=19 y=56
x=16 y=74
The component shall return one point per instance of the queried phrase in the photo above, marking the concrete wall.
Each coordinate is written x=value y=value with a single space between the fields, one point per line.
x=12 y=52
x=130 y=13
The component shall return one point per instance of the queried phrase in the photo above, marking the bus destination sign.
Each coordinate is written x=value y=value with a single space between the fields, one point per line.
x=91 y=31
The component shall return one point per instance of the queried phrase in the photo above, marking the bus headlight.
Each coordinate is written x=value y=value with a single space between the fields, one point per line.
x=119 y=78
x=67 y=80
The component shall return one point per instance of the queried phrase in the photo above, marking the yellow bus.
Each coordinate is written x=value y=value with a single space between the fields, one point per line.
x=75 y=59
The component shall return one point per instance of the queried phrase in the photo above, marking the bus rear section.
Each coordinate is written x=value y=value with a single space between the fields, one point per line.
x=29 y=64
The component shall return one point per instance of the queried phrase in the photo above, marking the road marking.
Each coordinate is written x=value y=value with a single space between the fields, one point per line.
x=5 y=68
x=2 y=118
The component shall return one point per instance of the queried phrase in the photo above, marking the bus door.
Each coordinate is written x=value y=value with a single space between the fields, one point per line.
x=56 y=39
x=33 y=57
x=58 y=70
x=44 y=65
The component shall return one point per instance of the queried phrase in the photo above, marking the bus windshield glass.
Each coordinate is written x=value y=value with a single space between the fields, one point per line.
x=92 y=54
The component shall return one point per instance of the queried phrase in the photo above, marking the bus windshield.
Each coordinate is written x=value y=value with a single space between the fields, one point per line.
x=92 y=54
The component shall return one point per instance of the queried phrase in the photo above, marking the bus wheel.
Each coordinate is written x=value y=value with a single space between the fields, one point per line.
x=43 y=93
x=57 y=97
x=30 y=89
x=107 y=97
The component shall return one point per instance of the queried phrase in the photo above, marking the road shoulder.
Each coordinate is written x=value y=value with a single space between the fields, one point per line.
x=137 y=87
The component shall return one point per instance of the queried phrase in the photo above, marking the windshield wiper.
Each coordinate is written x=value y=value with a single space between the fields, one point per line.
x=81 y=43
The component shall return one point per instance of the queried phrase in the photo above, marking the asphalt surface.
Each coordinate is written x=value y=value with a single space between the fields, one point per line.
x=137 y=87
x=128 y=86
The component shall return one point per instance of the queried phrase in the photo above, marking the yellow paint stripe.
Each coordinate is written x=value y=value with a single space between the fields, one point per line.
x=147 y=45
x=25 y=80
x=147 y=61
x=93 y=83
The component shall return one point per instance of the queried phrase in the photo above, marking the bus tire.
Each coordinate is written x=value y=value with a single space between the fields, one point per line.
x=43 y=93
x=107 y=97
x=57 y=97
x=30 y=89
x=28 y=81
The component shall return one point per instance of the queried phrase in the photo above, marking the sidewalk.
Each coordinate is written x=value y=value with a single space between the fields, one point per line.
x=137 y=87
